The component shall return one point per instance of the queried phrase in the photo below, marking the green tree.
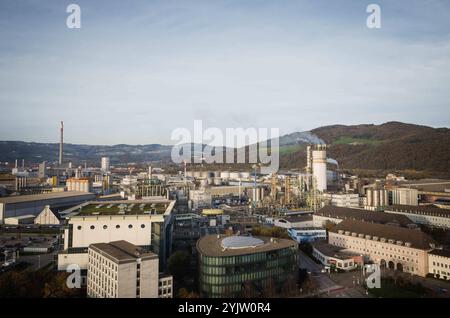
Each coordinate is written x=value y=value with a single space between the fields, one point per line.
x=179 y=264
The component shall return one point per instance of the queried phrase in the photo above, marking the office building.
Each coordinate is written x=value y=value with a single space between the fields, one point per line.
x=145 y=223
x=228 y=263
x=308 y=234
x=120 y=269
x=389 y=246
x=336 y=257
x=423 y=214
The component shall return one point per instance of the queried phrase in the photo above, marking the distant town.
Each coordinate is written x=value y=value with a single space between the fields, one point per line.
x=121 y=230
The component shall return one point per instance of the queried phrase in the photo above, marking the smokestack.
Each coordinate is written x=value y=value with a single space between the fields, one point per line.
x=61 y=143
x=23 y=163
x=16 y=164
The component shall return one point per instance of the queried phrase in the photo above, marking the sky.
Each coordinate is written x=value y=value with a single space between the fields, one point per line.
x=137 y=70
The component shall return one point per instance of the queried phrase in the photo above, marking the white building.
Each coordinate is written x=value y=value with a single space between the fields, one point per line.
x=303 y=221
x=439 y=264
x=23 y=219
x=122 y=270
x=423 y=214
x=105 y=164
x=334 y=256
x=346 y=200
x=319 y=167
x=143 y=223
x=405 y=196
x=308 y=234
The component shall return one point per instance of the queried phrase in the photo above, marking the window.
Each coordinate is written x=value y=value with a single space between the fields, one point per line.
x=105 y=227
x=130 y=226
x=79 y=227
x=117 y=226
x=92 y=227
x=142 y=226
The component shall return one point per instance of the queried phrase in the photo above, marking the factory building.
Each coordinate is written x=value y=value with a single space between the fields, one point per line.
x=346 y=200
x=146 y=223
x=120 y=269
x=227 y=264
x=35 y=203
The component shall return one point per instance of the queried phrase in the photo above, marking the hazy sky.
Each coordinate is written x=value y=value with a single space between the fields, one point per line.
x=138 y=69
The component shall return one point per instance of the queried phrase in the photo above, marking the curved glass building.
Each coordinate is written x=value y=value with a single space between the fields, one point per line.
x=229 y=265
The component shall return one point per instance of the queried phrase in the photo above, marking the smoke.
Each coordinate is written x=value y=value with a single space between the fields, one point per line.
x=310 y=138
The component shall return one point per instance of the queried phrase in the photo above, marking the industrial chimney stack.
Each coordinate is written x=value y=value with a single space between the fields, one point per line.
x=61 y=144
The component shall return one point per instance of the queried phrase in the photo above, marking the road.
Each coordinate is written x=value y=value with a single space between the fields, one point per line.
x=327 y=287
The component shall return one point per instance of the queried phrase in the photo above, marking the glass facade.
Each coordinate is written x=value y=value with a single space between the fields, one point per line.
x=226 y=276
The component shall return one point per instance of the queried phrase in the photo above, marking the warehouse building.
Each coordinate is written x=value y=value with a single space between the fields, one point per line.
x=34 y=203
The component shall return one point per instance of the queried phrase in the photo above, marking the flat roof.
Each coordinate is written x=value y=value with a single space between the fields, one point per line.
x=417 y=238
x=113 y=208
x=211 y=245
x=362 y=215
x=122 y=251
x=121 y=207
x=43 y=196
x=333 y=251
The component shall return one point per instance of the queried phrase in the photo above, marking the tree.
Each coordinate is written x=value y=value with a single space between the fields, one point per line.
x=270 y=290
x=179 y=264
x=184 y=293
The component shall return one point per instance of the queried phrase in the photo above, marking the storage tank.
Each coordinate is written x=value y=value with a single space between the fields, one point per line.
x=376 y=198
x=320 y=167
x=369 y=197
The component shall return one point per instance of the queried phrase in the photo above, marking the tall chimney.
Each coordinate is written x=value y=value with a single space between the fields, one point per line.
x=61 y=144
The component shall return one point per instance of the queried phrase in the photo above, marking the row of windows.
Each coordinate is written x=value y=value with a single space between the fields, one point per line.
x=440 y=264
x=92 y=227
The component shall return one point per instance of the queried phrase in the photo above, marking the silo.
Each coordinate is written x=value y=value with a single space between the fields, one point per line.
x=369 y=197
x=320 y=167
x=376 y=198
